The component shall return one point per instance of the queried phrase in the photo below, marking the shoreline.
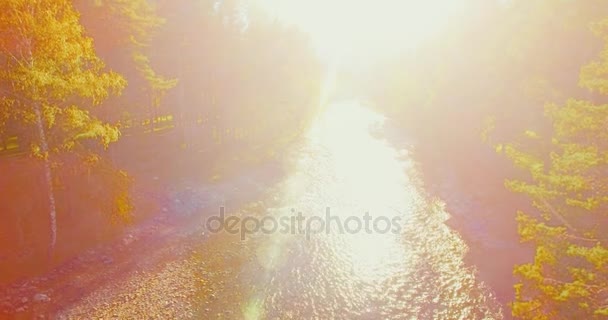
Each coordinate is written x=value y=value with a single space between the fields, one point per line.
x=481 y=210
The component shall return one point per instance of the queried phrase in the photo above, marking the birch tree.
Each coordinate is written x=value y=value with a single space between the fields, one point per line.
x=50 y=79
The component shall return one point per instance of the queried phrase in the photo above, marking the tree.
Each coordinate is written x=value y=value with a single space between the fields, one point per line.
x=50 y=79
x=134 y=23
x=568 y=186
x=243 y=76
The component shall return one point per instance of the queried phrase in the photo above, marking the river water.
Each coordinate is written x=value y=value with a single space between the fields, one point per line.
x=413 y=271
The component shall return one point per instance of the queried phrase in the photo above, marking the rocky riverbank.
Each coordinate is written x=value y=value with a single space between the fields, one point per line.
x=148 y=270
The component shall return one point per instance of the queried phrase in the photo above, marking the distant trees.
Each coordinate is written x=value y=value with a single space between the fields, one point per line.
x=501 y=60
x=123 y=32
x=51 y=79
x=568 y=278
x=243 y=77
x=243 y=80
x=236 y=73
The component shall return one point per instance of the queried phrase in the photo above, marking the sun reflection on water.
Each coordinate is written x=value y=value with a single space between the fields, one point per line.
x=366 y=181
x=417 y=272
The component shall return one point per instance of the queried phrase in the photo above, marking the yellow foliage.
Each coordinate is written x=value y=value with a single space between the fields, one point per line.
x=568 y=186
x=56 y=64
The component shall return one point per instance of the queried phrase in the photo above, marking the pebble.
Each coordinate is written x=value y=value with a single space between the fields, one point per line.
x=128 y=239
x=41 y=297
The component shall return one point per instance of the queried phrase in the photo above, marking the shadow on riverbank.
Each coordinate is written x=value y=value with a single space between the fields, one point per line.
x=482 y=211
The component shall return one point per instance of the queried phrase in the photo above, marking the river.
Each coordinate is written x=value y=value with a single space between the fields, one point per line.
x=414 y=271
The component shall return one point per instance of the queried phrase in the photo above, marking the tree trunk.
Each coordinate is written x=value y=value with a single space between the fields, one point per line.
x=181 y=113
x=48 y=178
x=44 y=148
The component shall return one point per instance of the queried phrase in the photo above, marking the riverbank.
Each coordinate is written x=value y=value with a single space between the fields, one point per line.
x=481 y=210
x=171 y=267
x=153 y=256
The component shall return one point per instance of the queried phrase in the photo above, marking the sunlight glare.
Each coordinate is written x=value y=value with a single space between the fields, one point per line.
x=365 y=30
x=341 y=126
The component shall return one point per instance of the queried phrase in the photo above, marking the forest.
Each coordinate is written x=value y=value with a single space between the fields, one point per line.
x=483 y=125
x=98 y=94
x=528 y=88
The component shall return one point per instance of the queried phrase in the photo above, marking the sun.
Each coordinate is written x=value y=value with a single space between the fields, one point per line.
x=366 y=30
